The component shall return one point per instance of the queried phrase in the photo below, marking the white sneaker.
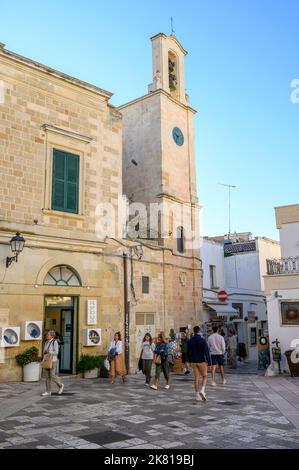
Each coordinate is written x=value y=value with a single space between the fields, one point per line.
x=213 y=384
x=154 y=387
x=198 y=398
x=61 y=390
x=203 y=396
x=224 y=382
x=46 y=394
x=167 y=387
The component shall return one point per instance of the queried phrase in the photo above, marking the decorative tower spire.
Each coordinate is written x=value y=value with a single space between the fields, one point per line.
x=172 y=29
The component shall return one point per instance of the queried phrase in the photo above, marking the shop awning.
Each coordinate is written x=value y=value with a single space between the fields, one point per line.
x=223 y=310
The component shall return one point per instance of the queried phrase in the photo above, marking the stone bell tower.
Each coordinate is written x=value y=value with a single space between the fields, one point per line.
x=158 y=145
x=159 y=171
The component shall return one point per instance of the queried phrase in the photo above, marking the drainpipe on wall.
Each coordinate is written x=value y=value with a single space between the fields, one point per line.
x=127 y=315
x=246 y=340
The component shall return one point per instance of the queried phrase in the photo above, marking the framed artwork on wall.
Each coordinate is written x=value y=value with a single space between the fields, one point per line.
x=290 y=313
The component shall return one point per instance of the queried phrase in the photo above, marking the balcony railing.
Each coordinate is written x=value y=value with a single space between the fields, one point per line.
x=283 y=266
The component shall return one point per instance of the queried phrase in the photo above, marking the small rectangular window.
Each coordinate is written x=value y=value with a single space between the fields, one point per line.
x=145 y=284
x=150 y=319
x=180 y=240
x=139 y=319
x=253 y=336
x=213 y=283
x=65 y=182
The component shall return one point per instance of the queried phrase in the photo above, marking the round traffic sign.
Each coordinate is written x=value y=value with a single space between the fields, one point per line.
x=263 y=340
x=222 y=296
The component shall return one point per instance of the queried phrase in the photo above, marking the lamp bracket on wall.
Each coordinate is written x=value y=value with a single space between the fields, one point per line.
x=17 y=244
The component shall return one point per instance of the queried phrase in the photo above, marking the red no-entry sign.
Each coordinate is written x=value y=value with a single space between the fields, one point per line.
x=222 y=296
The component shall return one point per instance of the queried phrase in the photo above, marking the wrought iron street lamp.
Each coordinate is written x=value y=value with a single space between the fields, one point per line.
x=17 y=244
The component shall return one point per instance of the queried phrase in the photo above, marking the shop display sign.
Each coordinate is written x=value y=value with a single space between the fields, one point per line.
x=92 y=312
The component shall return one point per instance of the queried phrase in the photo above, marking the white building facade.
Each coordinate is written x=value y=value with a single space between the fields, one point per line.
x=237 y=267
x=282 y=283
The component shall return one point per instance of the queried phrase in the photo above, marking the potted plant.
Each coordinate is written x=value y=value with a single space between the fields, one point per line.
x=89 y=366
x=30 y=361
x=104 y=373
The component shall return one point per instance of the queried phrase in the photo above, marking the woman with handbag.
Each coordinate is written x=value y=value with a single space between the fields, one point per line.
x=147 y=355
x=49 y=363
x=116 y=359
x=161 y=361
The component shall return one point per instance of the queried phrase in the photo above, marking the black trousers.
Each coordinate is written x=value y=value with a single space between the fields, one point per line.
x=163 y=367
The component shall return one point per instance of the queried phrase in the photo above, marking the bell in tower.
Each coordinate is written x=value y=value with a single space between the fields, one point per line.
x=172 y=67
x=168 y=66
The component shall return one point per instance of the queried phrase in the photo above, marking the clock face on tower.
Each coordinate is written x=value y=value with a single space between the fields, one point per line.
x=178 y=136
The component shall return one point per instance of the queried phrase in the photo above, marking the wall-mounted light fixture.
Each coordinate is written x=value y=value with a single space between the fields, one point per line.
x=17 y=244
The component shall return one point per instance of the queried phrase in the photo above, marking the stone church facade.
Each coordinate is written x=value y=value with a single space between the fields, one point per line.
x=64 y=149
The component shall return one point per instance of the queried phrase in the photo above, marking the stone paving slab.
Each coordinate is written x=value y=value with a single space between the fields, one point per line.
x=251 y=411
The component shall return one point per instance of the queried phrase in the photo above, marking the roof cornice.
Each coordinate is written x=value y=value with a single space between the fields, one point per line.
x=170 y=37
x=157 y=92
x=54 y=73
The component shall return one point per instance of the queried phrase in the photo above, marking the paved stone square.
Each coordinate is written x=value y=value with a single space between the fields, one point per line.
x=249 y=412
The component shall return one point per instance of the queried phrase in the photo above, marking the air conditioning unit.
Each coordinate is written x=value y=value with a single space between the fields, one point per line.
x=31 y=330
x=92 y=337
x=10 y=337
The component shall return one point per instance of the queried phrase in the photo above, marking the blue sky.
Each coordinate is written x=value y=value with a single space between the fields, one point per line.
x=243 y=55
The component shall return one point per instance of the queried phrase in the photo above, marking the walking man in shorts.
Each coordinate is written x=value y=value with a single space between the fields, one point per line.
x=216 y=344
x=199 y=355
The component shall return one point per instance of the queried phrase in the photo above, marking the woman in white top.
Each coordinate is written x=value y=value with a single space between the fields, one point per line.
x=147 y=355
x=52 y=348
x=116 y=358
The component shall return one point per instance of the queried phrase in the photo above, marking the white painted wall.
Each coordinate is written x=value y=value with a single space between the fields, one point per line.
x=246 y=270
x=289 y=242
x=289 y=239
x=285 y=334
x=267 y=250
x=212 y=254
x=242 y=271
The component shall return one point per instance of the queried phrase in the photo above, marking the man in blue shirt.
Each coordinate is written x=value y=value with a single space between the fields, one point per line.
x=199 y=355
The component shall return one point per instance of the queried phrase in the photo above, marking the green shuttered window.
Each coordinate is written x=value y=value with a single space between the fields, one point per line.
x=65 y=185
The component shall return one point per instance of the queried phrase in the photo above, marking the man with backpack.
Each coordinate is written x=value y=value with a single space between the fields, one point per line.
x=199 y=356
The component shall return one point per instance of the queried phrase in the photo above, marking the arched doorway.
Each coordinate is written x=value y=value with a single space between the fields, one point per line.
x=61 y=313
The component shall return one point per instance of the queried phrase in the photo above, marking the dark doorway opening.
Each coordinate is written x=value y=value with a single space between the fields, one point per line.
x=60 y=317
